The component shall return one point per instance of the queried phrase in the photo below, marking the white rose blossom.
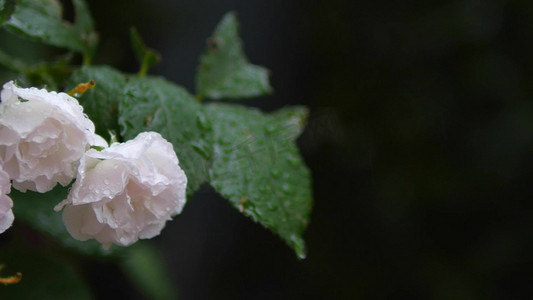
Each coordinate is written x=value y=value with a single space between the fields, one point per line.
x=42 y=137
x=125 y=192
x=6 y=214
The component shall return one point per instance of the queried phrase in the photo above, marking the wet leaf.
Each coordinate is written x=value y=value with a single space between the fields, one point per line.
x=257 y=166
x=42 y=20
x=155 y=104
x=101 y=102
x=224 y=70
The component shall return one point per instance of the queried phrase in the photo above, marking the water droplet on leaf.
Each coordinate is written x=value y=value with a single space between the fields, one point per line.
x=272 y=206
x=293 y=160
x=202 y=149
x=269 y=129
x=202 y=122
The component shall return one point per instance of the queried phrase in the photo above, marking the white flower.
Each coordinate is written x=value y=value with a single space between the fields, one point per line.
x=42 y=137
x=125 y=192
x=6 y=214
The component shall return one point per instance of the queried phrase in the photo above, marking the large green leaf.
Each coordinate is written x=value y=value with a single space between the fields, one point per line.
x=257 y=166
x=37 y=210
x=154 y=104
x=42 y=20
x=224 y=71
x=101 y=103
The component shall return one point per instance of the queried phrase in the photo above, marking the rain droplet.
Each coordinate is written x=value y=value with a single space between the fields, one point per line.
x=203 y=122
x=271 y=206
x=202 y=149
x=225 y=142
x=258 y=212
x=298 y=245
x=106 y=181
x=269 y=129
x=293 y=160
x=275 y=173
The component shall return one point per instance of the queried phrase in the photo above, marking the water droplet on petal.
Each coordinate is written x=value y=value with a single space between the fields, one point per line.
x=106 y=181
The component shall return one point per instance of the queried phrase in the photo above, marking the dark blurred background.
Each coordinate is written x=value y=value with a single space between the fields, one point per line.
x=420 y=142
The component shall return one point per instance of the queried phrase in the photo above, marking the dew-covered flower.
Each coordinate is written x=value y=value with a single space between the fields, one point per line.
x=42 y=137
x=6 y=214
x=125 y=192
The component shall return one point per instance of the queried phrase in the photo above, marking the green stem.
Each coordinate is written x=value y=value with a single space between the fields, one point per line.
x=86 y=60
x=144 y=66
x=199 y=97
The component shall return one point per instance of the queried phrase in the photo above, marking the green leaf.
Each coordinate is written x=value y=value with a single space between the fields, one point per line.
x=43 y=277
x=224 y=71
x=101 y=102
x=154 y=104
x=37 y=210
x=7 y=7
x=149 y=104
x=257 y=166
x=144 y=265
x=147 y=57
x=42 y=20
x=48 y=74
